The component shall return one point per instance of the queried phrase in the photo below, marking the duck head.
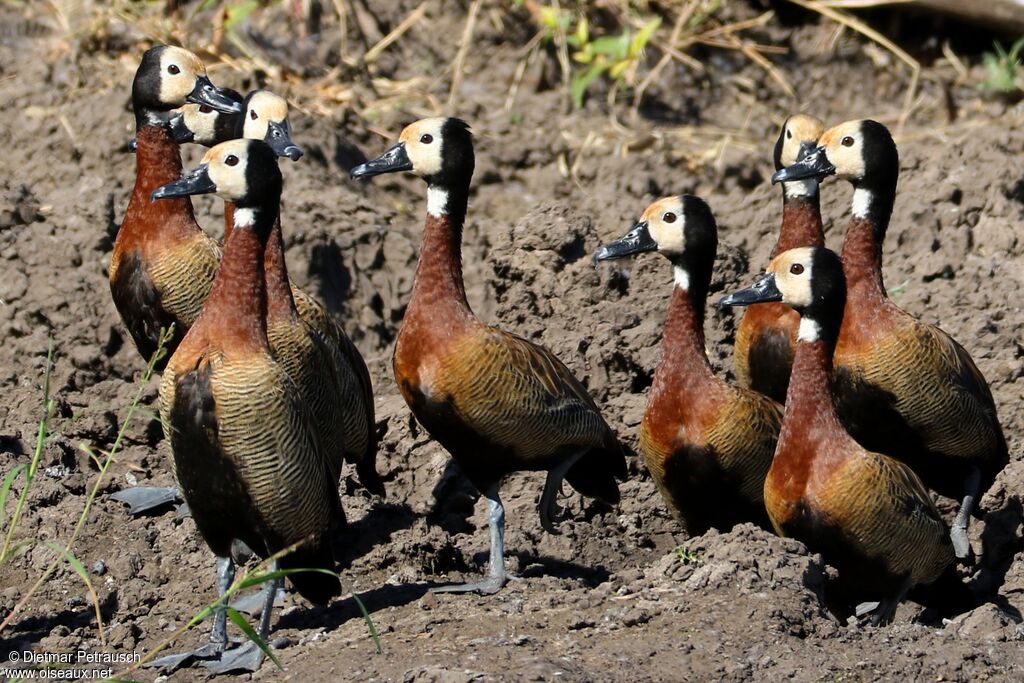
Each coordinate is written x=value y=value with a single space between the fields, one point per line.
x=797 y=139
x=241 y=171
x=169 y=77
x=862 y=152
x=204 y=125
x=439 y=150
x=809 y=280
x=266 y=118
x=682 y=229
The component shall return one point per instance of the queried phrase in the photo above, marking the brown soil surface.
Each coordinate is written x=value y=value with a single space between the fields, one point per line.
x=609 y=599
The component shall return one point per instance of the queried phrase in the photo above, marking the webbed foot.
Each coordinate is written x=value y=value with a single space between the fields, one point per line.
x=142 y=499
x=246 y=657
x=488 y=586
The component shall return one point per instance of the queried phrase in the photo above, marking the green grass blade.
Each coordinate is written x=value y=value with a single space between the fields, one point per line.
x=72 y=560
x=251 y=634
x=84 y=573
x=5 y=489
x=257 y=579
x=369 y=622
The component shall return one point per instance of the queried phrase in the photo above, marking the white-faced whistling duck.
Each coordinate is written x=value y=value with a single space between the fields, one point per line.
x=496 y=402
x=246 y=453
x=162 y=264
x=766 y=335
x=866 y=513
x=342 y=405
x=304 y=338
x=707 y=444
x=905 y=388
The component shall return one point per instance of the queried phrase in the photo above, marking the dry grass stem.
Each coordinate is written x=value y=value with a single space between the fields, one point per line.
x=460 y=56
x=395 y=33
x=870 y=33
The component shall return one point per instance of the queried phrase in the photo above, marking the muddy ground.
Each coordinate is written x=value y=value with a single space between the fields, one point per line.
x=611 y=598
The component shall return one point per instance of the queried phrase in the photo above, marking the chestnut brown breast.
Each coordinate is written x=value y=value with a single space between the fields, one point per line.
x=162 y=265
x=247 y=455
x=766 y=334
x=908 y=389
x=707 y=445
x=868 y=514
x=495 y=401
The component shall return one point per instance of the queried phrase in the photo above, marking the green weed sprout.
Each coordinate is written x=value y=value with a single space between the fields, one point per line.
x=617 y=56
x=1002 y=68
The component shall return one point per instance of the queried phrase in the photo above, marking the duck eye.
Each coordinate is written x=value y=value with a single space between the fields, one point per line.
x=205 y=109
x=173 y=70
x=231 y=160
x=847 y=141
x=426 y=138
x=253 y=115
x=796 y=269
x=789 y=134
x=669 y=217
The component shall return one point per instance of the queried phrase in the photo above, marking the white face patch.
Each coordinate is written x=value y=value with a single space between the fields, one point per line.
x=202 y=124
x=799 y=188
x=424 y=145
x=244 y=217
x=862 y=199
x=848 y=159
x=264 y=107
x=809 y=331
x=792 y=271
x=667 y=234
x=681 y=277
x=798 y=129
x=227 y=163
x=175 y=87
x=437 y=201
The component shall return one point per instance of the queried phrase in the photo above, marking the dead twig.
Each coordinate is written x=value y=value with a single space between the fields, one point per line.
x=464 y=43
x=677 y=28
x=860 y=27
x=395 y=33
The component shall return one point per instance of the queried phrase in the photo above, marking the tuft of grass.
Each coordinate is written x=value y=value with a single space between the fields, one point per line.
x=49 y=405
x=252 y=577
x=617 y=56
x=1002 y=69
x=687 y=556
x=63 y=552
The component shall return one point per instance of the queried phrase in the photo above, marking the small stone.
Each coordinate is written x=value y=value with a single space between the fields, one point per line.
x=428 y=601
x=99 y=568
x=131 y=479
x=281 y=642
x=57 y=471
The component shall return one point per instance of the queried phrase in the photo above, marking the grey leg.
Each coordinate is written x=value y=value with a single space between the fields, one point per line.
x=225 y=576
x=144 y=498
x=249 y=657
x=497 y=577
x=552 y=486
x=958 y=530
x=883 y=612
x=219 y=633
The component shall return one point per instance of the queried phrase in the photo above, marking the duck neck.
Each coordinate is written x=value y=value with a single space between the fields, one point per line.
x=810 y=411
x=280 y=304
x=801 y=217
x=158 y=162
x=229 y=219
x=438 y=286
x=684 y=363
x=237 y=301
x=862 y=247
